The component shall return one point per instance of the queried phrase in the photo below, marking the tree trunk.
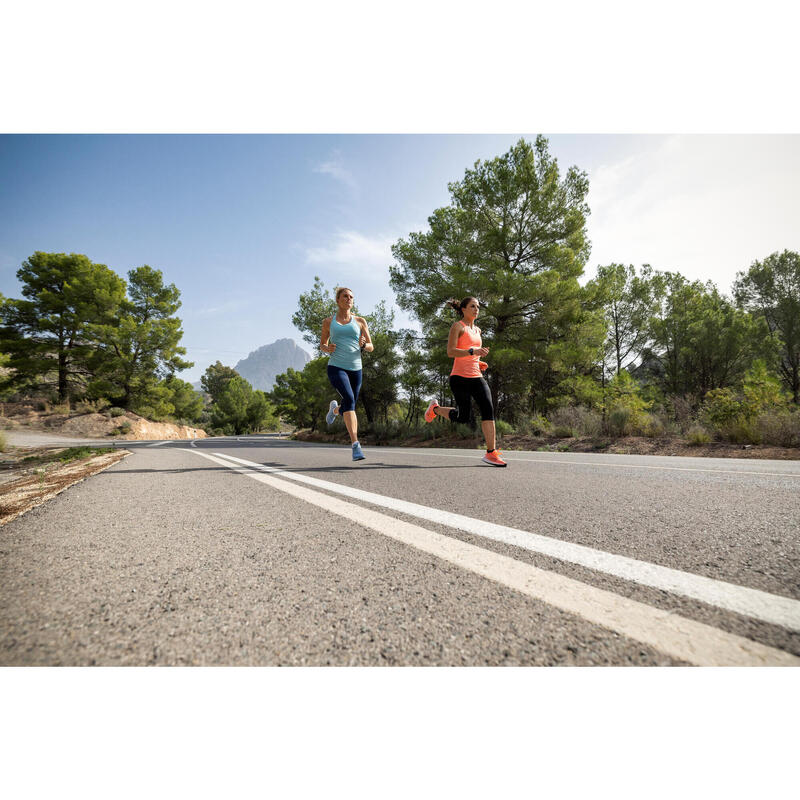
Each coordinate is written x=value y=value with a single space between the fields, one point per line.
x=365 y=402
x=63 y=388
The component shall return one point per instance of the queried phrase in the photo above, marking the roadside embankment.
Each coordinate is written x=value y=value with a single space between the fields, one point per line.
x=89 y=424
x=32 y=476
x=625 y=445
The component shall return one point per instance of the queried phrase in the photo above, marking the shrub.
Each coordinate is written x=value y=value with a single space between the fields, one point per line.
x=125 y=427
x=625 y=406
x=563 y=423
x=74 y=453
x=653 y=426
x=682 y=412
x=620 y=421
x=91 y=406
x=464 y=431
x=742 y=430
x=3 y=442
x=761 y=390
x=779 y=427
x=432 y=431
x=575 y=421
x=384 y=431
x=536 y=425
x=502 y=427
x=116 y=411
x=698 y=435
x=722 y=406
x=590 y=423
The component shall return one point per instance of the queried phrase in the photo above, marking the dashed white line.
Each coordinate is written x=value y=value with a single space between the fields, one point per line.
x=775 y=609
x=680 y=638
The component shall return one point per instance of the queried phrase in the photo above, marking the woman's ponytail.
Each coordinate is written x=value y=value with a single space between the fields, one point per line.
x=459 y=307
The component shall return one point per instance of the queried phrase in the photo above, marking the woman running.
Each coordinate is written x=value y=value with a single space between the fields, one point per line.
x=465 y=346
x=344 y=336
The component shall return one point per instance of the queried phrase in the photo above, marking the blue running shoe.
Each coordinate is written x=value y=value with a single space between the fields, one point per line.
x=357 y=454
x=330 y=417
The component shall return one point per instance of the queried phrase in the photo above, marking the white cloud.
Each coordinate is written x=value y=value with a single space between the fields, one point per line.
x=336 y=169
x=705 y=206
x=364 y=256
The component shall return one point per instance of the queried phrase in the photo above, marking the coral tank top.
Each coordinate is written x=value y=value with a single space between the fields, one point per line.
x=467 y=366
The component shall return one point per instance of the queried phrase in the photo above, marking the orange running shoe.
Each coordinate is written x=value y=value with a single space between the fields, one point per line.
x=430 y=414
x=494 y=459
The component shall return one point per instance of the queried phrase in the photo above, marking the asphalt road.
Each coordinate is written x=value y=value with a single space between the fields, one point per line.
x=264 y=551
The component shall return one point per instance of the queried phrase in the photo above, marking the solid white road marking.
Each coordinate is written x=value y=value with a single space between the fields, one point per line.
x=158 y=444
x=775 y=609
x=676 y=636
x=474 y=455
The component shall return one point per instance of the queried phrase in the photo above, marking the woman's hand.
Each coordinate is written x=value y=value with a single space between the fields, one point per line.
x=481 y=351
x=327 y=348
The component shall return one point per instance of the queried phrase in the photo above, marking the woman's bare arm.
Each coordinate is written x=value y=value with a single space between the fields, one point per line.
x=452 y=341
x=364 y=340
x=325 y=337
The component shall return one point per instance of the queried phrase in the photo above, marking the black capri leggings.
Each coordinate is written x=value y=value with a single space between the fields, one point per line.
x=465 y=389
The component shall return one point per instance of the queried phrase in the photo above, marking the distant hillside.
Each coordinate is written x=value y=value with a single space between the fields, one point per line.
x=262 y=366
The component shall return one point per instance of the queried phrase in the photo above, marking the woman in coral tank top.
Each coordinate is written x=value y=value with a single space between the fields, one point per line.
x=465 y=347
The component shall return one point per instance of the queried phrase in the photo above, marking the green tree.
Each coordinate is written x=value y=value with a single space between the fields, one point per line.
x=312 y=308
x=629 y=302
x=515 y=237
x=50 y=337
x=143 y=347
x=216 y=378
x=415 y=380
x=241 y=409
x=186 y=402
x=624 y=405
x=379 y=368
x=302 y=396
x=761 y=389
x=771 y=290
x=699 y=340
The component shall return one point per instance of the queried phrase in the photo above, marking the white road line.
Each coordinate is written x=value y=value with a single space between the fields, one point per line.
x=676 y=636
x=158 y=444
x=473 y=454
x=775 y=609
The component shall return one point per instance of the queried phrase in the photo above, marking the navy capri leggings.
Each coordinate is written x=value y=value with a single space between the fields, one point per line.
x=348 y=383
x=465 y=390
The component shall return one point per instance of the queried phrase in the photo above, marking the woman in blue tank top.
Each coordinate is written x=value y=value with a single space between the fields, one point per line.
x=345 y=336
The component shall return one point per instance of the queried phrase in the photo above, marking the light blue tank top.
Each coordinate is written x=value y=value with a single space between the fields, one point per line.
x=347 y=354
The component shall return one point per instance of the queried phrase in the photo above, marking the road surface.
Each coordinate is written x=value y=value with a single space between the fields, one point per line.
x=254 y=550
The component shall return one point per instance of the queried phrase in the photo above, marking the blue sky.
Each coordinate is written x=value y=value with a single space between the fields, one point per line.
x=242 y=223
